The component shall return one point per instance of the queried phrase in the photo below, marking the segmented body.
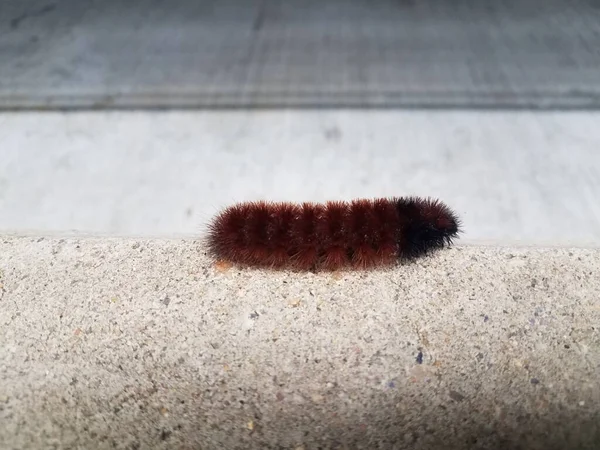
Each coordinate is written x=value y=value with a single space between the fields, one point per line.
x=361 y=233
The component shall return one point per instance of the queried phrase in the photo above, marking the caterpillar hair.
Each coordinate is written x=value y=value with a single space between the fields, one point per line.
x=360 y=234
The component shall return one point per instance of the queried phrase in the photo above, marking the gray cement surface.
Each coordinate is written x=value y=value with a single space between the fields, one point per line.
x=232 y=53
x=135 y=344
x=514 y=178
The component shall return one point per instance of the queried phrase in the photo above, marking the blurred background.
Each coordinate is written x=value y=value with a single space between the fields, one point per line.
x=144 y=118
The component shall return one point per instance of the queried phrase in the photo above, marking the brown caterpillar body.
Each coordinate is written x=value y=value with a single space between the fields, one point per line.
x=358 y=234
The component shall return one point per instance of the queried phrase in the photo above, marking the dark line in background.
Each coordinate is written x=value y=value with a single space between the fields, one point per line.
x=306 y=107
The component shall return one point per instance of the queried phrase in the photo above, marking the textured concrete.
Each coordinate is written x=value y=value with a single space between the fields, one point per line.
x=153 y=53
x=514 y=178
x=135 y=344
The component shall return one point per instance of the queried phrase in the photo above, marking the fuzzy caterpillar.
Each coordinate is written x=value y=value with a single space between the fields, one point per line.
x=359 y=234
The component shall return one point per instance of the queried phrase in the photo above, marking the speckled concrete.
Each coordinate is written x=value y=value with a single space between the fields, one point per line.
x=135 y=344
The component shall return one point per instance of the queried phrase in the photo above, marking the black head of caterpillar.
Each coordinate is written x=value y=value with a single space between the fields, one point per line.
x=425 y=225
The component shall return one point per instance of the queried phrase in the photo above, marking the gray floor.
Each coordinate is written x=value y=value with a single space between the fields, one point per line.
x=132 y=53
x=514 y=178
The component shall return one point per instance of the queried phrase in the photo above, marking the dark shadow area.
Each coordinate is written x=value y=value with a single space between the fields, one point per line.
x=215 y=414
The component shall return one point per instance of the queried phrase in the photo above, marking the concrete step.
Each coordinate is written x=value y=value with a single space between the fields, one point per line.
x=138 y=343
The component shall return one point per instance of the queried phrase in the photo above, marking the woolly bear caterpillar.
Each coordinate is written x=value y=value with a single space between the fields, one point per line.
x=361 y=234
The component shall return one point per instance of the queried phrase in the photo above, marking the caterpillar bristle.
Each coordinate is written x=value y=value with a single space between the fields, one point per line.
x=359 y=234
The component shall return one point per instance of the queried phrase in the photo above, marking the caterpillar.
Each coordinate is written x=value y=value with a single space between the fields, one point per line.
x=357 y=234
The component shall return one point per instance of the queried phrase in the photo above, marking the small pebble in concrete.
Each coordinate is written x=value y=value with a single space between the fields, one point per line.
x=420 y=358
x=456 y=396
x=164 y=435
x=535 y=381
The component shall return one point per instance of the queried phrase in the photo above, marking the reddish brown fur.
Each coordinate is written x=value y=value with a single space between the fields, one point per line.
x=358 y=234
